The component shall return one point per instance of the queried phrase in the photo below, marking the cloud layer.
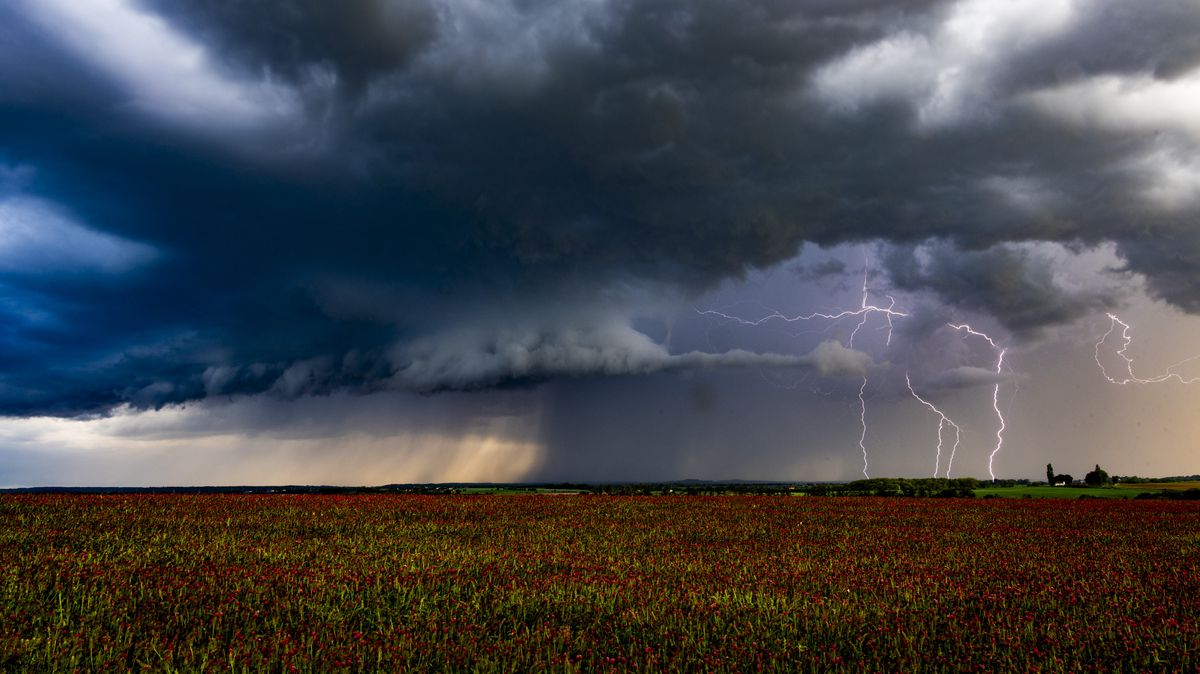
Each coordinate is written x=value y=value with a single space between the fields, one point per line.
x=328 y=196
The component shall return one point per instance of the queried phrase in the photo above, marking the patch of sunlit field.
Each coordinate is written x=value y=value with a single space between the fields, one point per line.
x=282 y=583
x=1158 y=486
x=1042 y=491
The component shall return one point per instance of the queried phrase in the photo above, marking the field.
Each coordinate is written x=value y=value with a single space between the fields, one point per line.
x=1043 y=491
x=1170 y=486
x=1121 y=490
x=593 y=583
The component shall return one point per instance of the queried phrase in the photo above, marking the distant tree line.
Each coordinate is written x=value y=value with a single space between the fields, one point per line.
x=691 y=489
x=939 y=487
x=889 y=486
x=899 y=487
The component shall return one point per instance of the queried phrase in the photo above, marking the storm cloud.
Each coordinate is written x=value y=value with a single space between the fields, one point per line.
x=968 y=377
x=1017 y=286
x=214 y=198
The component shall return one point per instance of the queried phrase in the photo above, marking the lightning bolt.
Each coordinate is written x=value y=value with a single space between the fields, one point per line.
x=864 y=311
x=943 y=421
x=1130 y=377
x=866 y=299
x=862 y=438
x=776 y=315
x=1001 y=351
x=888 y=316
x=862 y=401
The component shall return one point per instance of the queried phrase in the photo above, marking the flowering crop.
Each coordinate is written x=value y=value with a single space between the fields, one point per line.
x=584 y=583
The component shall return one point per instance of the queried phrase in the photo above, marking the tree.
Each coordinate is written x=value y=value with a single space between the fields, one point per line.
x=1063 y=479
x=1049 y=473
x=1097 y=477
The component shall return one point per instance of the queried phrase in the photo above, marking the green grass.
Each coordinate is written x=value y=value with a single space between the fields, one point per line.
x=1157 y=486
x=1124 y=491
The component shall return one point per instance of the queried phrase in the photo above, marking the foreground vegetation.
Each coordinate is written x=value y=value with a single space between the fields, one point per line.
x=567 y=583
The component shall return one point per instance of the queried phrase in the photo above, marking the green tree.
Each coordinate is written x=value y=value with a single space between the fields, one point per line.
x=1097 y=477
x=1050 y=474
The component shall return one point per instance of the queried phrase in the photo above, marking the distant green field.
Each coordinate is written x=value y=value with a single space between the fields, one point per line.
x=1122 y=491
x=1154 y=486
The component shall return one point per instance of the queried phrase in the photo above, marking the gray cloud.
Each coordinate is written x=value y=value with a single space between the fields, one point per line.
x=1016 y=286
x=359 y=38
x=967 y=377
x=331 y=183
x=473 y=359
x=829 y=267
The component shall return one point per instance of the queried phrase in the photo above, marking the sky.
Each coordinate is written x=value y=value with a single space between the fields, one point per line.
x=393 y=241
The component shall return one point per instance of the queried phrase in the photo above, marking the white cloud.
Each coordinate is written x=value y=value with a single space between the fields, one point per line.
x=166 y=74
x=1125 y=103
x=945 y=75
x=831 y=358
x=1167 y=173
x=36 y=237
x=968 y=377
x=1169 y=179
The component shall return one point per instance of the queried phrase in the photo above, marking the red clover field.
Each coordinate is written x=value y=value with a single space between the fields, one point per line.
x=284 y=583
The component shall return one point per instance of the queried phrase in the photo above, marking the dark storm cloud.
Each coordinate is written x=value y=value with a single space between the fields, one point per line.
x=1174 y=258
x=820 y=270
x=1015 y=286
x=322 y=189
x=360 y=38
